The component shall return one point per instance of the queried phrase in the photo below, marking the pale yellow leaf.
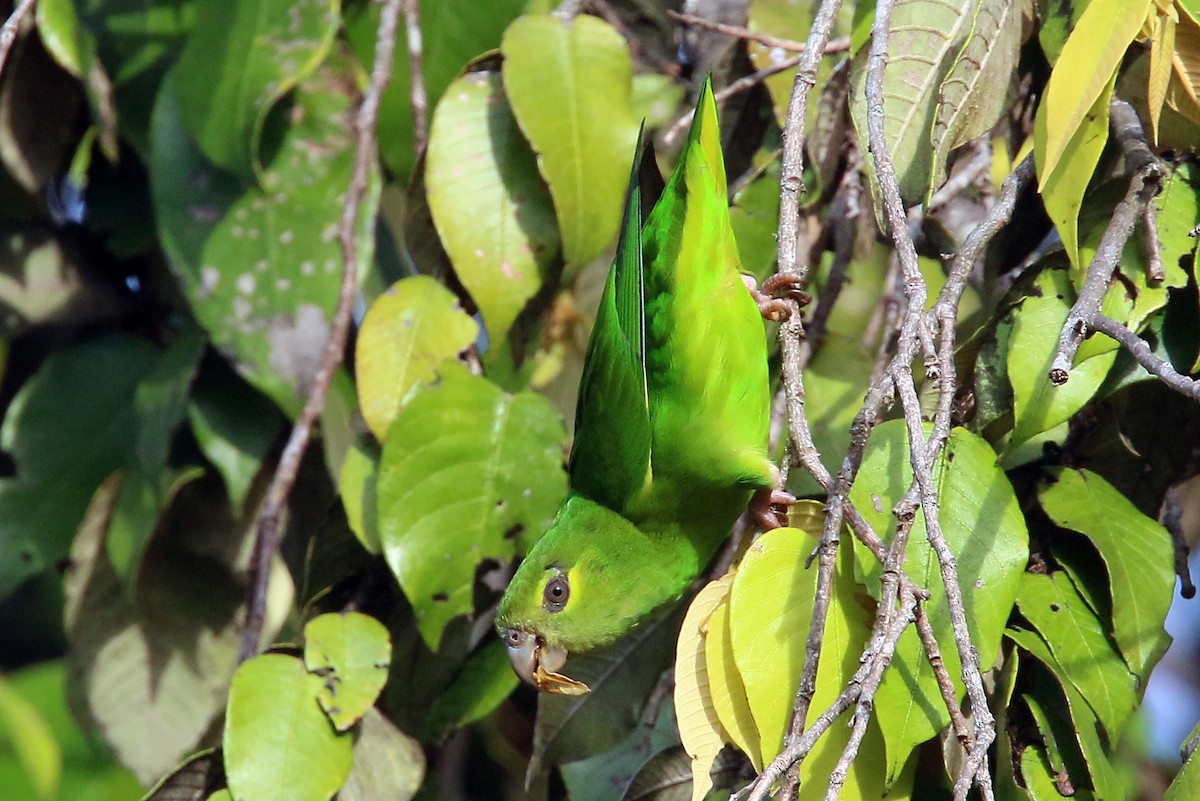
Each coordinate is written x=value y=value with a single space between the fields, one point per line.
x=1088 y=62
x=1162 y=48
x=700 y=728
x=726 y=690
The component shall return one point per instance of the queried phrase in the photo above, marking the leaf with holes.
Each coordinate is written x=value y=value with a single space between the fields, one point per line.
x=259 y=261
x=468 y=473
x=279 y=746
x=351 y=653
x=408 y=332
x=984 y=529
x=492 y=211
x=568 y=83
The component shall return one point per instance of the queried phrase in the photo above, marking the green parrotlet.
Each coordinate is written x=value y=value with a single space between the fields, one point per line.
x=671 y=426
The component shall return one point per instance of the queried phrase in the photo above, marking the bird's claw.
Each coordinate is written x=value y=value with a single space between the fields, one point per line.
x=773 y=296
x=769 y=507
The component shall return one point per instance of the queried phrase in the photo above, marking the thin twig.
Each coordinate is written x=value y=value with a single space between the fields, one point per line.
x=1172 y=512
x=741 y=33
x=742 y=84
x=266 y=542
x=416 y=76
x=8 y=33
x=1143 y=186
x=1140 y=350
x=1154 y=262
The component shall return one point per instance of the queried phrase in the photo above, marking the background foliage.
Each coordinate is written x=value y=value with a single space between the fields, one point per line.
x=174 y=174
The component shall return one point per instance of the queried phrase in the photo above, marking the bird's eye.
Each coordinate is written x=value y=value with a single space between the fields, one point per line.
x=555 y=596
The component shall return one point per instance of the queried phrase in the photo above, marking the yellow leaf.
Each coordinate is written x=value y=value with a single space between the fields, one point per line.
x=726 y=690
x=1186 y=56
x=1088 y=63
x=700 y=728
x=771 y=606
x=1063 y=183
x=1162 y=48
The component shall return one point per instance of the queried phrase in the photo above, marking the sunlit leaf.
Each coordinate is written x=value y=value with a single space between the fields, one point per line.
x=727 y=690
x=484 y=681
x=1137 y=552
x=492 y=210
x=278 y=743
x=568 y=83
x=984 y=529
x=351 y=653
x=30 y=738
x=468 y=473
x=408 y=332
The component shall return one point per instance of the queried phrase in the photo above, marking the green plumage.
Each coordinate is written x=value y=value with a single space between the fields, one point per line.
x=671 y=424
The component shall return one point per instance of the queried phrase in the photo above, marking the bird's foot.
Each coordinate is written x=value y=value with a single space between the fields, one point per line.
x=769 y=507
x=774 y=293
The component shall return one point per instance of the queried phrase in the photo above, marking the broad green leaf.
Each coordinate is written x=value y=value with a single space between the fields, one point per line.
x=453 y=33
x=278 y=743
x=150 y=669
x=241 y=57
x=407 y=334
x=259 y=260
x=484 y=681
x=985 y=530
x=493 y=212
x=1186 y=784
x=1064 y=181
x=1088 y=61
x=468 y=473
x=1082 y=722
x=351 y=652
x=944 y=60
x=621 y=676
x=131 y=42
x=1137 y=552
x=235 y=426
x=771 y=605
x=1038 y=404
x=1083 y=654
x=87 y=772
x=91 y=408
x=387 y=762
x=607 y=776
x=568 y=83
x=357 y=488
x=655 y=98
x=700 y=728
x=727 y=690
x=1057 y=18
x=1047 y=731
x=31 y=740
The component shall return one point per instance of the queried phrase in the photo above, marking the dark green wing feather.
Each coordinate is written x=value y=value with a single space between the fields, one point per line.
x=610 y=458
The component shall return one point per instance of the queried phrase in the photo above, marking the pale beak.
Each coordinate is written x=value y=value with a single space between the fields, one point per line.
x=537 y=664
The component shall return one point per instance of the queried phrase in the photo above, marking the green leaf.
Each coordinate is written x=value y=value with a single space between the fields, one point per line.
x=492 y=210
x=278 y=743
x=453 y=33
x=607 y=776
x=407 y=334
x=32 y=741
x=259 y=261
x=351 y=652
x=241 y=57
x=985 y=530
x=1137 y=552
x=1186 y=784
x=770 y=608
x=150 y=669
x=1038 y=404
x=940 y=87
x=484 y=681
x=468 y=473
x=1064 y=183
x=569 y=87
x=92 y=408
x=1088 y=61
x=357 y=488
x=387 y=762
x=726 y=688
x=621 y=676
x=1083 y=654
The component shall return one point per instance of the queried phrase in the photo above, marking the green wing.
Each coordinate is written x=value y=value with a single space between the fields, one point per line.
x=706 y=359
x=610 y=457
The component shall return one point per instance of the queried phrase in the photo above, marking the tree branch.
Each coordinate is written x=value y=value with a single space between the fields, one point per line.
x=416 y=76
x=8 y=33
x=268 y=536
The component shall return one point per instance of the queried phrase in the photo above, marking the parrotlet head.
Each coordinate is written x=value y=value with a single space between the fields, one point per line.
x=588 y=580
